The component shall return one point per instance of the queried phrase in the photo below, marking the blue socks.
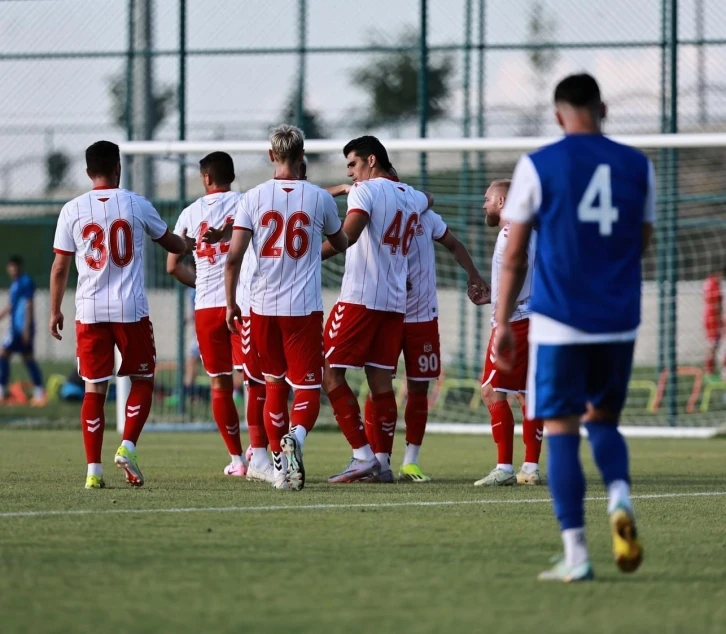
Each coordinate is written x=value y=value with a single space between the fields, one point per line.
x=34 y=372
x=609 y=451
x=4 y=371
x=566 y=480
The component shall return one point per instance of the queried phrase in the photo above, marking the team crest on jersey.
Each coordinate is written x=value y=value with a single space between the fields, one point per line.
x=419 y=230
x=428 y=347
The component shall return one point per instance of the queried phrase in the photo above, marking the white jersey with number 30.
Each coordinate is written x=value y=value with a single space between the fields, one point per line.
x=104 y=229
x=287 y=219
x=376 y=265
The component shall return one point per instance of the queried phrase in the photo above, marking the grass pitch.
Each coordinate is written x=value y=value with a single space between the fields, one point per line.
x=445 y=557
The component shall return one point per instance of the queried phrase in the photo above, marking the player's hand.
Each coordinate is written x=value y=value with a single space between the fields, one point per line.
x=503 y=348
x=212 y=235
x=234 y=315
x=191 y=243
x=478 y=290
x=56 y=325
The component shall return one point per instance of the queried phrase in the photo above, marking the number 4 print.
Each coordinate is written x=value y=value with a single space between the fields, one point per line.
x=600 y=189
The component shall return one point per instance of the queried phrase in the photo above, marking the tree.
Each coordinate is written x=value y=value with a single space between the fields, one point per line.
x=311 y=123
x=162 y=103
x=56 y=170
x=391 y=81
x=541 y=29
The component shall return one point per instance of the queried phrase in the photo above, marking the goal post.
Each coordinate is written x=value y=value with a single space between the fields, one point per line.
x=669 y=386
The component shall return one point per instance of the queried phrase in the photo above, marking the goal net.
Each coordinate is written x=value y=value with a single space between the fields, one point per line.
x=671 y=385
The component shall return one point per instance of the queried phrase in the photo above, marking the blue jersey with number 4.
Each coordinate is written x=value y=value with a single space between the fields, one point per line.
x=588 y=197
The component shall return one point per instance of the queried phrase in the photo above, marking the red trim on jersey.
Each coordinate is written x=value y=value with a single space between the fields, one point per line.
x=217 y=191
x=446 y=233
x=101 y=187
x=279 y=178
x=358 y=211
x=241 y=229
x=162 y=236
x=62 y=252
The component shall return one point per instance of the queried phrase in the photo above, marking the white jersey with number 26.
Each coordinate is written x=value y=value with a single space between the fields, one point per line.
x=287 y=219
x=104 y=229
x=376 y=266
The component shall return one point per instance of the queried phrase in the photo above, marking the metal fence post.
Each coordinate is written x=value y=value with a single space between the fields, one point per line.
x=423 y=90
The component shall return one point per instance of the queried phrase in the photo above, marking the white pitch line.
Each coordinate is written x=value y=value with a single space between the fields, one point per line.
x=324 y=507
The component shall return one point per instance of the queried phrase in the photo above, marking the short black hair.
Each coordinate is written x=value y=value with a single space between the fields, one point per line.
x=219 y=166
x=580 y=91
x=102 y=158
x=366 y=146
x=17 y=260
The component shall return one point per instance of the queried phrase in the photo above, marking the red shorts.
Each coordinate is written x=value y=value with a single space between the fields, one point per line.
x=516 y=380
x=215 y=340
x=422 y=350
x=95 y=344
x=356 y=336
x=290 y=347
x=244 y=353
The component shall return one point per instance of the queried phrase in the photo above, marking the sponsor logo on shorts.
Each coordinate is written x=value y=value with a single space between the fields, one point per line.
x=428 y=347
x=143 y=367
x=310 y=377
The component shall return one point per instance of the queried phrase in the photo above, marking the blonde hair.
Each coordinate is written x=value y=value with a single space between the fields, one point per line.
x=288 y=143
x=504 y=183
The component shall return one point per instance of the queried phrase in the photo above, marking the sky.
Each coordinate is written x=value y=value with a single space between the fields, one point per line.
x=65 y=104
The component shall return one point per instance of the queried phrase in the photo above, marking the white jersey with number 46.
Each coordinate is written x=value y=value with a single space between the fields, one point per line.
x=104 y=229
x=376 y=265
x=287 y=219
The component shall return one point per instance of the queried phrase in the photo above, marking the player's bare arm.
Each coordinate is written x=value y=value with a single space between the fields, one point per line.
x=28 y=325
x=173 y=243
x=511 y=280
x=647 y=235
x=223 y=234
x=338 y=190
x=237 y=248
x=58 y=283
x=352 y=228
x=178 y=270
x=478 y=290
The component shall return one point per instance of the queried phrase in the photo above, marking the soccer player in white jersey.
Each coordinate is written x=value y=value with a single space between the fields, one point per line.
x=365 y=327
x=283 y=219
x=592 y=202
x=221 y=351
x=103 y=230
x=421 y=346
x=497 y=385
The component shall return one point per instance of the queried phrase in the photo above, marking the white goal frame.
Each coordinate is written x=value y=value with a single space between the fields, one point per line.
x=329 y=146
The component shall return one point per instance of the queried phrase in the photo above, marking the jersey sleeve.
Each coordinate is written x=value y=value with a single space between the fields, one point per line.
x=649 y=211
x=439 y=229
x=421 y=201
x=525 y=194
x=243 y=217
x=331 y=221
x=181 y=223
x=153 y=224
x=360 y=200
x=63 y=243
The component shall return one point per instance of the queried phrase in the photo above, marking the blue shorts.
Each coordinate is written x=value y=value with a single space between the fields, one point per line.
x=14 y=343
x=564 y=378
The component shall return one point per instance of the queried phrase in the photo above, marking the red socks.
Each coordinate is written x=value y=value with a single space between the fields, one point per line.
x=227 y=419
x=276 y=416
x=305 y=408
x=93 y=423
x=503 y=431
x=256 y=394
x=370 y=419
x=138 y=406
x=386 y=411
x=533 y=431
x=417 y=415
x=347 y=415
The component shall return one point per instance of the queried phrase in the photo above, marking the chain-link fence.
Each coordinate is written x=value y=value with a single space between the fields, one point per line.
x=76 y=71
